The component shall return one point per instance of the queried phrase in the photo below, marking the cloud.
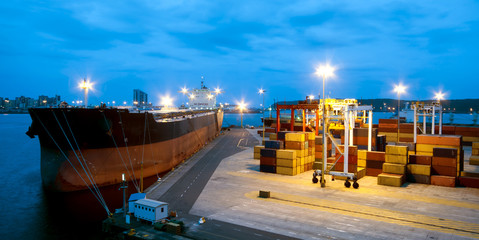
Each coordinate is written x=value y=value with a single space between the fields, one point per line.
x=239 y=45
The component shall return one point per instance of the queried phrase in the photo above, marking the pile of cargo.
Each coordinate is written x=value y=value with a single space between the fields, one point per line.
x=474 y=159
x=419 y=169
x=361 y=136
x=388 y=128
x=374 y=163
x=290 y=153
x=318 y=152
x=445 y=167
x=339 y=159
x=394 y=167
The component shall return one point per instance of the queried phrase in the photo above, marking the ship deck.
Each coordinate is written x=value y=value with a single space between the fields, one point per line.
x=223 y=187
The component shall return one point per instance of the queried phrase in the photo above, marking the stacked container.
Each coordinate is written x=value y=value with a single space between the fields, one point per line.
x=374 y=163
x=474 y=159
x=318 y=152
x=394 y=168
x=445 y=167
x=352 y=159
x=389 y=128
x=419 y=169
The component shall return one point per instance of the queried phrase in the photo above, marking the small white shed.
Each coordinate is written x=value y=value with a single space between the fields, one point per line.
x=150 y=210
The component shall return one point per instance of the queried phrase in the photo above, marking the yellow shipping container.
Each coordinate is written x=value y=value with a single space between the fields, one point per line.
x=475 y=145
x=362 y=163
x=273 y=136
x=286 y=154
x=474 y=160
x=362 y=154
x=406 y=135
x=300 y=137
x=302 y=161
x=394 y=180
x=430 y=147
x=419 y=169
x=411 y=153
x=470 y=139
x=396 y=150
x=424 y=153
x=257 y=155
x=302 y=168
x=299 y=153
x=396 y=159
x=311 y=135
x=290 y=171
x=394 y=168
x=257 y=148
x=286 y=162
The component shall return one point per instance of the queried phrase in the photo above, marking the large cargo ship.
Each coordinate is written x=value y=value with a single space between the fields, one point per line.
x=79 y=144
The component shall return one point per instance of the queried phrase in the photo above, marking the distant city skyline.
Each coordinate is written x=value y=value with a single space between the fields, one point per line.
x=48 y=47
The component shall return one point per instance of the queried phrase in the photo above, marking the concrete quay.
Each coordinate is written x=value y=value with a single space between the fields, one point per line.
x=221 y=183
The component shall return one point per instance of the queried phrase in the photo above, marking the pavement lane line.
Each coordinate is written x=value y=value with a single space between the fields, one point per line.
x=460 y=228
x=360 y=190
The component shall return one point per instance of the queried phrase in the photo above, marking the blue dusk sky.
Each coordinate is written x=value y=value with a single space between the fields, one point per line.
x=47 y=47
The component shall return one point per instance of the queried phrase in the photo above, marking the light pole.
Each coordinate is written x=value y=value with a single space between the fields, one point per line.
x=261 y=92
x=242 y=106
x=399 y=89
x=86 y=85
x=439 y=96
x=324 y=71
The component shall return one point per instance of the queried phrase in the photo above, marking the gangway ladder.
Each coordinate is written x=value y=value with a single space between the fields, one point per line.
x=349 y=113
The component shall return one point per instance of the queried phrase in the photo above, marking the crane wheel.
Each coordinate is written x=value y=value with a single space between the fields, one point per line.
x=355 y=185
x=347 y=184
x=315 y=180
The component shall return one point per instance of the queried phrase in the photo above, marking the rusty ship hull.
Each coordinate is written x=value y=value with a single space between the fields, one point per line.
x=103 y=144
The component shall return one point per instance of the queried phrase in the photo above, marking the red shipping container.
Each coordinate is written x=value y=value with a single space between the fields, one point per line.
x=444 y=171
x=445 y=181
x=420 y=159
x=377 y=156
x=373 y=172
x=469 y=182
x=268 y=161
x=442 y=161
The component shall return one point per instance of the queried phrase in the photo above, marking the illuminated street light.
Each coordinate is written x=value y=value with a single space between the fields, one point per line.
x=399 y=89
x=324 y=71
x=311 y=97
x=166 y=101
x=261 y=92
x=242 y=107
x=439 y=96
x=86 y=85
x=217 y=90
x=184 y=90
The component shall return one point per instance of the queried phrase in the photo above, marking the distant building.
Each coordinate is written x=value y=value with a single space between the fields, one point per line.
x=140 y=98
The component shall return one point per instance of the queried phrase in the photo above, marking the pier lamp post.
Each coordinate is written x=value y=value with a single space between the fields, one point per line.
x=439 y=96
x=86 y=85
x=261 y=92
x=399 y=89
x=166 y=101
x=241 y=107
x=324 y=71
x=184 y=91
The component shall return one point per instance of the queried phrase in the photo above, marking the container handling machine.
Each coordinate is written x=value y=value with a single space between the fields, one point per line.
x=347 y=112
